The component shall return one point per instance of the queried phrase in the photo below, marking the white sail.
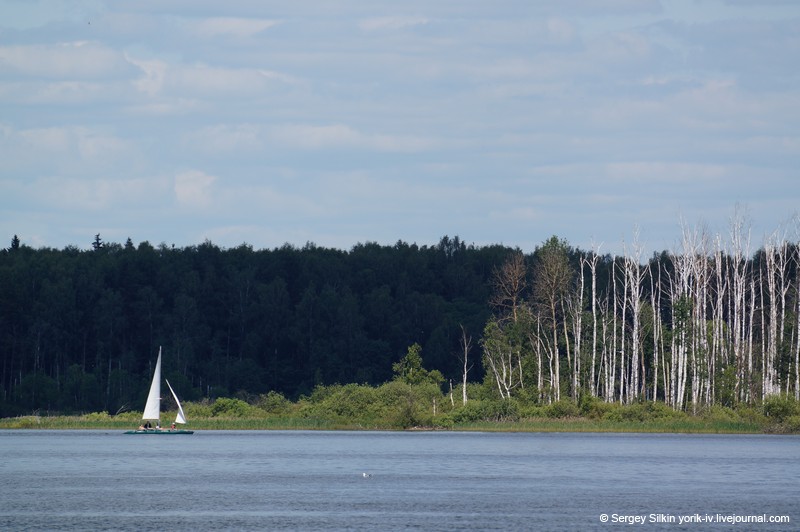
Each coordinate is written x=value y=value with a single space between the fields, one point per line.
x=152 y=409
x=181 y=417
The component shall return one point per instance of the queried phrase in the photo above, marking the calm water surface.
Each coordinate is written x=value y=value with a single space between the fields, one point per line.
x=217 y=480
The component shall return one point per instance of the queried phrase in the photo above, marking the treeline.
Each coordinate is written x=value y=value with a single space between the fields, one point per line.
x=80 y=329
x=712 y=323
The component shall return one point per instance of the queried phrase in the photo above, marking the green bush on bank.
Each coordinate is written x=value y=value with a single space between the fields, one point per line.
x=561 y=409
x=274 y=403
x=400 y=405
x=234 y=408
x=779 y=408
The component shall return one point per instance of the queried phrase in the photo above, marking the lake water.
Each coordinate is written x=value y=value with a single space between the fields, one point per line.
x=298 y=480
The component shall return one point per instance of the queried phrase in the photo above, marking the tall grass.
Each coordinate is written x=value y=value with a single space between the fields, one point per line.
x=542 y=424
x=682 y=426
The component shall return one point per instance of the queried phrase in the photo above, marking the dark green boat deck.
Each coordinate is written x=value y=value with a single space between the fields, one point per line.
x=160 y=431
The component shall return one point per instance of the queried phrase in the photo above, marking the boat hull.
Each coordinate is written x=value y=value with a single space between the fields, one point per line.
x=163 y=432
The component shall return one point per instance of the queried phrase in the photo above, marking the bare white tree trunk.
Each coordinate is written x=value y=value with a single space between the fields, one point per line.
x=577 y=332
x=784 y=284
x=699 y=337
x=655 y=299
x=555 y=357
x=740 y=333
x=625 y=363
x=796 y=334
x=466 y=347
x=750 y=364
x=634 y=274
x=500 y=356
x=770 y=353
x=606 y=355
x=552 y=356
x=719 y=354
x=540 y=341
x=593 y=268
x=570 y=365
x=683 y=312
x=613 y=353
x=539 y=373
x=794 y=346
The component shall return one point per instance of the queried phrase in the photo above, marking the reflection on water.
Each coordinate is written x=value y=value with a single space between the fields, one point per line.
x=432 y=481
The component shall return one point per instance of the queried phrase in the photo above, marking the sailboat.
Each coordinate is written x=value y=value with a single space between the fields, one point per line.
x=152 y=409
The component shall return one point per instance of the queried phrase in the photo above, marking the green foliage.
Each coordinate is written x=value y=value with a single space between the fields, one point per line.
x=352 y=402
x=274 y=403
x=197 y=410
x=780 y=408
x=725 y=386
x=398 y=405
x=486 y=410
x=27 y=422
x=593 y=407
x=225 y=407
x=97 y=416
x=791 y=425
x=38 y=391
x=563 y=408
x=719 y=412
x=128 y=416
x=409 y=369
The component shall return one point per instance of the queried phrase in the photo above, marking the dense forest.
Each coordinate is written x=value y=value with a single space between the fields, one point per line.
x=712 y=323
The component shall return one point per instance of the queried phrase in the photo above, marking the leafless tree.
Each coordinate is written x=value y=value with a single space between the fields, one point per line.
x=509 y=283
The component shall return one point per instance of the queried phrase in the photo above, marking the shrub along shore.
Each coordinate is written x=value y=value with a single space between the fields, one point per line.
x=400 y=406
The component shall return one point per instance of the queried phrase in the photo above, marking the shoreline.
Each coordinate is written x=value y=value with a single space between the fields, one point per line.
x=576 y=424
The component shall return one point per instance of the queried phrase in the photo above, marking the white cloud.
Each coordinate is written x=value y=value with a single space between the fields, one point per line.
x=74 y=195
x=69 y=150
x=561 y=30
x=397 y=22
x=226 y=139
x=193 y=188
x=321 y=137
x=230 y=26
x=202 y=79
x=331 y=119
x=668 y=172
x=70 y=60
x=154 y=71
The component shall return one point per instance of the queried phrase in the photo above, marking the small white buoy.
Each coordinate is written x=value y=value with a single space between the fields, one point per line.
x=365 y=475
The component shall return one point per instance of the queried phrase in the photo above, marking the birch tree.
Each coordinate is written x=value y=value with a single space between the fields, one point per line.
x=502 y=353
x=635 y=274
x=655 y=299
x=466 y=347
x=739 y=273
x=552 y=275
x=591 y=263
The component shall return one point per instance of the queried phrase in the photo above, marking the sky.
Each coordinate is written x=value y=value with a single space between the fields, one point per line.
x=607 y=123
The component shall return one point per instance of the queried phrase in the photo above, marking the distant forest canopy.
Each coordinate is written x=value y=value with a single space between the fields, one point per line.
x=715 y=323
